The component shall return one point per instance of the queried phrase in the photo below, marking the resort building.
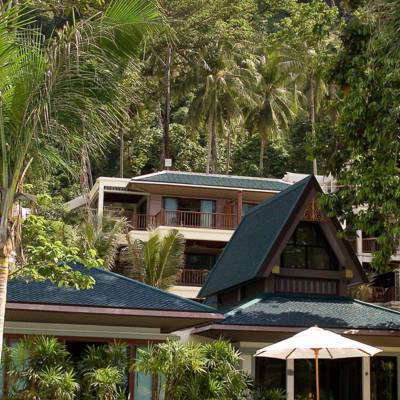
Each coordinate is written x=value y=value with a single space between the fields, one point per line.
x=116 y=308
x=284 y=270
x=206 y=209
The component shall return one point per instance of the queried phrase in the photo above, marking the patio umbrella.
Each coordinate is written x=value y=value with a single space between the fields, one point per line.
x=317 y=343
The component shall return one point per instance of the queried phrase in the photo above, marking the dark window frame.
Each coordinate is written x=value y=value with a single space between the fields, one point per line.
x=307 y=247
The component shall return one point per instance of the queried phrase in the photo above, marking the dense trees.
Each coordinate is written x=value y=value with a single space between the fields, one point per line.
x=360 y=139
x=197 y=81
x=59 y=95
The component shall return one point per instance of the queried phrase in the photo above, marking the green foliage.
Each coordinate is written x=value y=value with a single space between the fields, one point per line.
x=193 y=371
x=50 y=249
x=41 y=368
x=270 y=394
x=159 y=261
x=276 y=98
x=360 y=142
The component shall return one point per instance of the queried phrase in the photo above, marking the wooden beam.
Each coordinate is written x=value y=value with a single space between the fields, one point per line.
x=239 y=206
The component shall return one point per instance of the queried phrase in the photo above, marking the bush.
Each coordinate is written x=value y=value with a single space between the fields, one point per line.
x=41 y=368
x=270 y=394
x=196 y=371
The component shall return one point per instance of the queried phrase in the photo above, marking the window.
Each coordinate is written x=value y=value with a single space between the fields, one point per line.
x=339 y=379
x=308 y=249
x=199 y=261
x=270 y=373
x=384 y=378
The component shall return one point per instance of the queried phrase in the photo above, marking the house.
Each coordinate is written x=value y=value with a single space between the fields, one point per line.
x=383 y=289
x=206 y=208
x=285 y=269
x=115 y=308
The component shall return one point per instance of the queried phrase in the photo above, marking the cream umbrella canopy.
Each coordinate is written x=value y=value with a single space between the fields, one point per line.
x=317 y=343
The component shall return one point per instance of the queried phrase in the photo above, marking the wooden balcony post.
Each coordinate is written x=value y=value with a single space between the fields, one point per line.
x=396 y=285
x=239 y=206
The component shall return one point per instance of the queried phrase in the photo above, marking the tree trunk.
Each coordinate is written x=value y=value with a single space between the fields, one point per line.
x=167 y=106
x=209 y=143
x=121 y=153
x=5 y=254
x=214 y=148
x=312 y=115
x=228 y=154
x=262 y=152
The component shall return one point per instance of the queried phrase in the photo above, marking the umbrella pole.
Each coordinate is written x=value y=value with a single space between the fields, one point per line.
x=317 y=372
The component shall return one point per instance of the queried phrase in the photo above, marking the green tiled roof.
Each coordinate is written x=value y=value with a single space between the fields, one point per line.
x=190 y=178
x=291 y=310
x=110 y=290
x=252 y=241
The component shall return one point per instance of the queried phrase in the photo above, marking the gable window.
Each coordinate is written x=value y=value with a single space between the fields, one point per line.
x=308 y=249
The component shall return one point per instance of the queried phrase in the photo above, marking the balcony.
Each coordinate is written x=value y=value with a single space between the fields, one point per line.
x=369 y=245
x=193 y=277
x=186 y=219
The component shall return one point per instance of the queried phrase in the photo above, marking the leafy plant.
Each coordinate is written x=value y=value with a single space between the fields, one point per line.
x=104 y=382
x=192 y=371
x=157 y=262
x=102 y=370
x=40 y=368
x=270 y=394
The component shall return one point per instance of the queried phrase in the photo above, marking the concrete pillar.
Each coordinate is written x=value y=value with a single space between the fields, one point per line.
x=290 y=379
x=247 y=363
x=100 y=206
x=359 y=242
x=366 y=378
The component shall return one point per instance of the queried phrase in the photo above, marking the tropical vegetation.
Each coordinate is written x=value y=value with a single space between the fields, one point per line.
x=42 y=368
x=192 y=371
x=49 y=89
x=158 y=261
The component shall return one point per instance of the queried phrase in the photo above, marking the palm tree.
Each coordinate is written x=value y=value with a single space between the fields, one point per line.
x=216 y=101
x=275 y=96
x=59 y=95
x=305 y=63
x=159 y=261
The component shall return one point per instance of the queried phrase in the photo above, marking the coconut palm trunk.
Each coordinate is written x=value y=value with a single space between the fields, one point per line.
x=209 y=141
x=312 y=113
x=167 y=104
x=5 y=255
x=262 y=153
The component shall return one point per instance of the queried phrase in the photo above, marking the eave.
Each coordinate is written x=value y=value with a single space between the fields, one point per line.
x=167 y=320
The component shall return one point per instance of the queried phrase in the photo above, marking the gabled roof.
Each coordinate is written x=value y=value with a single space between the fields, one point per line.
x=292 y=310
x=213 y=180
x=110 y=291
x=254 y=239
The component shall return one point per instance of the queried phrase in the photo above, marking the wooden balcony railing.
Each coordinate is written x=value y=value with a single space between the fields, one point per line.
x=369 y=245
x=193 y=277
x=196 y=219
x=188 y=219
x=143 y=221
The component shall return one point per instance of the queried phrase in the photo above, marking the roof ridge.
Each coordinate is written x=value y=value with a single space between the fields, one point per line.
x=134 y=281
x=279 y=195
x=376 y=306
x=216 y=175
x=243 y=306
